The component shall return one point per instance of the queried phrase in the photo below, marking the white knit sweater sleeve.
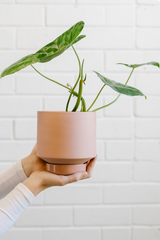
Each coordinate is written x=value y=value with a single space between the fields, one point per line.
x=10 y=178
x=12 y=206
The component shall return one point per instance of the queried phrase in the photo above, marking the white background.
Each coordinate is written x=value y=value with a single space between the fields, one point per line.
x=122 y=199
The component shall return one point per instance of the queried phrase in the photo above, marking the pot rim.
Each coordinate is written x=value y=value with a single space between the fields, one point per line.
x=65 y=112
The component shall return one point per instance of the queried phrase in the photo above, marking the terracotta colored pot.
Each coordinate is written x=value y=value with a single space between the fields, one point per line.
x=66 y=140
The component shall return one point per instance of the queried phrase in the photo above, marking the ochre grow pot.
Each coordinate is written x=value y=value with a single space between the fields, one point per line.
x=66 y=140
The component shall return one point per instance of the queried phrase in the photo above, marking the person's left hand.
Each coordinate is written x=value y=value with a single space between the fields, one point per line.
x=33 y=163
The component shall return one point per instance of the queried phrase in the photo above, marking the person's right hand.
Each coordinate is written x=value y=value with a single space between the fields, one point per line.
x=40 y=180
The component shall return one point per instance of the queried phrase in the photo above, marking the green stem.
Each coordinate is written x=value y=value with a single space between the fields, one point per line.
x=72 y=93
x=50 y=78
x=116 y=97
x=69 y=98
x=96 y=98
x=83 y=108
x=79 y=96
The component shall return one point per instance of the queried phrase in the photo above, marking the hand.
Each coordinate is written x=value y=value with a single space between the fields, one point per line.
x=33 y=163
x=40 y=180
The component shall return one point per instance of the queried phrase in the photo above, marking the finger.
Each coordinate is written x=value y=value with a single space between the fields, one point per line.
x=90 y=166
x=74 y=177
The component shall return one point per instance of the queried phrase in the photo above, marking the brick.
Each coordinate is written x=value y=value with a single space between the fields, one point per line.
x=146 y=215
x=116 y=233
x=67 y=62
x=119 y=150
x=46 y=1
x=73 y=195
x=108 y=38
x=4 y=166
x=72 y=234
x=147 y=172
x=147 y=150
x=25 y=129
x=105 y=1
x=18 y=15
x=45 y=217
x=36 y=38
x=110 y=172
x=121 y=108
x=102 y=216
x=7 y=85
x=5 y=129
x=149 y=83
x=114 y=128
x=35 y=84
x=19 y=106
x=7 y=38
x=131 y=57
x=148 y=2
x=92 y=15
x=147 y=128
x=147 y=108
x=38 y=200
x=15 y=150
x=131 y=193
x=58 y=103
x=93 y=85
x=7 y=1
x=148 y=38
x=100 y=147
x=24 y=234
x=120 y=16
x=148 y=16
x=147 y=233
x=98 y=103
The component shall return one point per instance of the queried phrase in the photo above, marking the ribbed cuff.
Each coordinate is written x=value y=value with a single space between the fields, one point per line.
x=26 y=192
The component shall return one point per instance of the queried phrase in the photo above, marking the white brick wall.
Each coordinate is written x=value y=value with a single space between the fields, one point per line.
x=122 y=199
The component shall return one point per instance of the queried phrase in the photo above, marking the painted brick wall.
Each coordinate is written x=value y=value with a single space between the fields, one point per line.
x=122 y=199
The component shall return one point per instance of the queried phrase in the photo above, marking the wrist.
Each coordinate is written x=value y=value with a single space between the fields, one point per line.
x=34 y=184
x=27 y=166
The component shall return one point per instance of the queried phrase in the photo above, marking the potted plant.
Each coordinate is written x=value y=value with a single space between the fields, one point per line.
x=67 y=140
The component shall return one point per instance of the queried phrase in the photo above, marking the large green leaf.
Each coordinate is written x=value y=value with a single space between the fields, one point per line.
x=120 y=88
x=139 y=65
x=20 y=64
x=60 y=44
x=50 y=51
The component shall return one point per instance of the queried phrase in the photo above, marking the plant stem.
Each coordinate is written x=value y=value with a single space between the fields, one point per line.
x=83 y=108
x=79 y=96
x=77 y=79
x=72 y=93
x=50 y=78
x=96 y=98
x=116 y=97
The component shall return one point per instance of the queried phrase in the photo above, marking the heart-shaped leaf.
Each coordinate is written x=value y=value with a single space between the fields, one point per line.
x=50 y=51
x=156 y=64
x=119 y=87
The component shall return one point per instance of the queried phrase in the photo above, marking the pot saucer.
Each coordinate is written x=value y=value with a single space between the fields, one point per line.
x=66 y=169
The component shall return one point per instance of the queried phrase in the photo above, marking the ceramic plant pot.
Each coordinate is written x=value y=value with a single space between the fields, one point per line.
x=66 y=140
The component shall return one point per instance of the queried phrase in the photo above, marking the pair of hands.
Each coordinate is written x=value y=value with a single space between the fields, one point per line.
x=39 y=179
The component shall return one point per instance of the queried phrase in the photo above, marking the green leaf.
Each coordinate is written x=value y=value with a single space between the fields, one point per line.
x=156 y=64
x=62 y=43
x=20 y=64
x=120 y=88
x=50 y=51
